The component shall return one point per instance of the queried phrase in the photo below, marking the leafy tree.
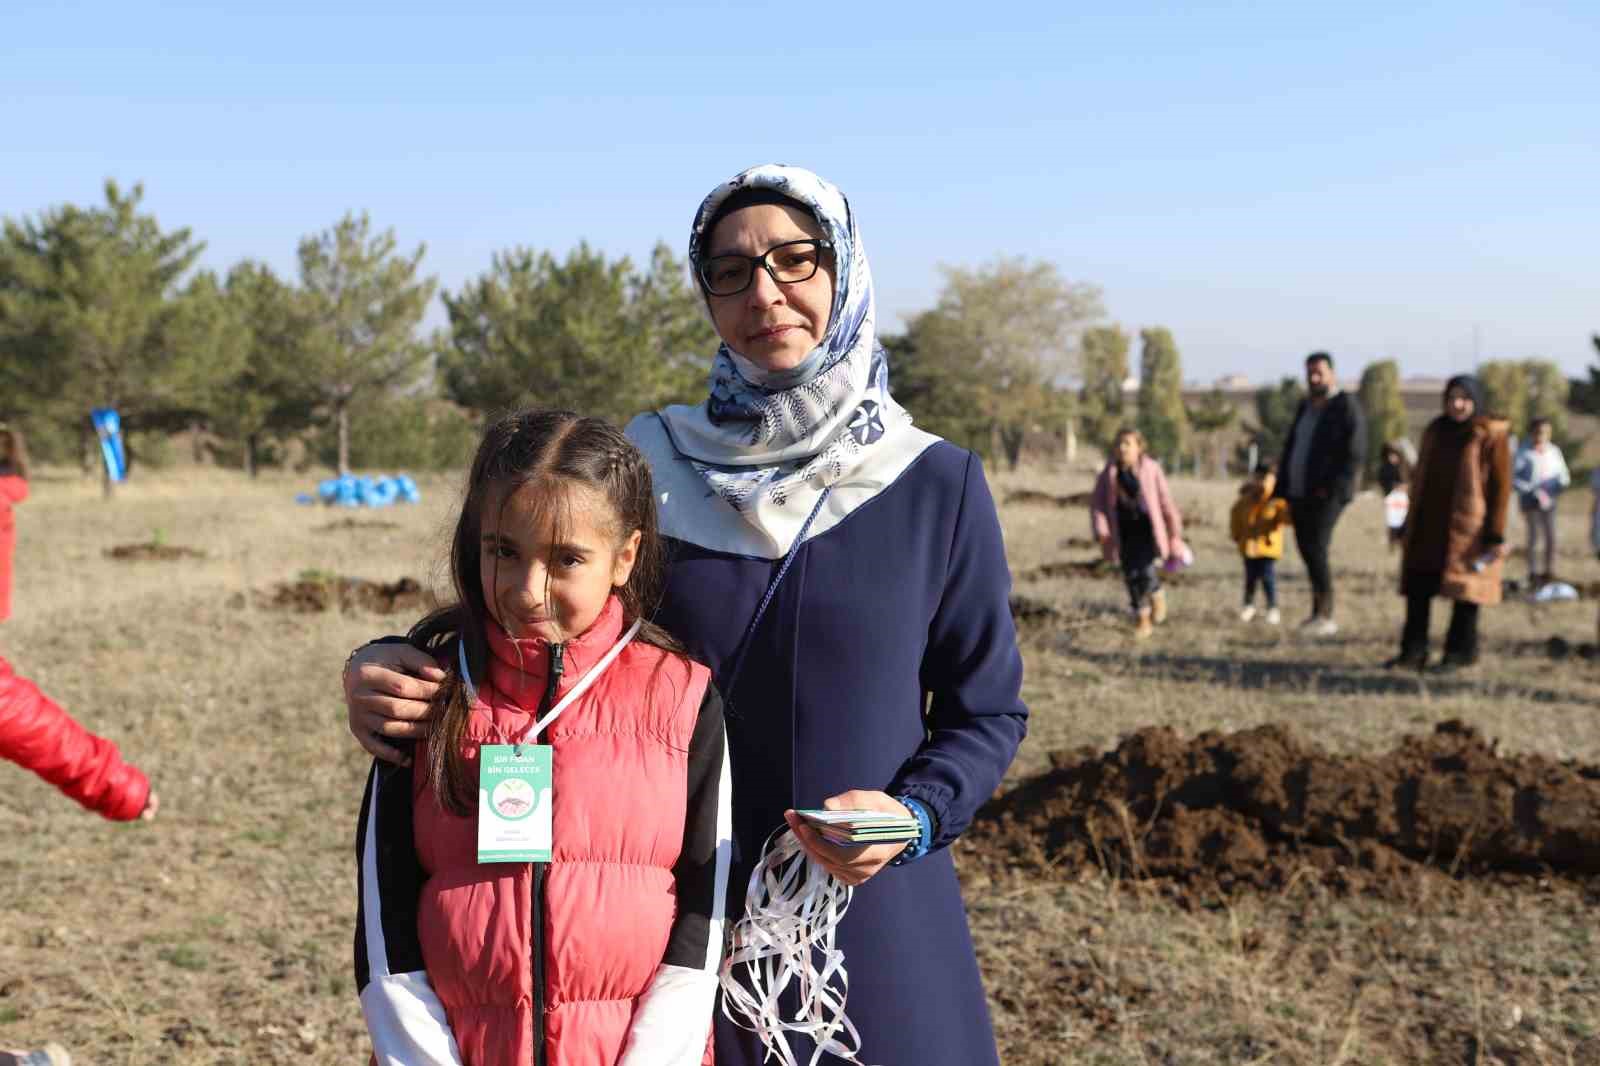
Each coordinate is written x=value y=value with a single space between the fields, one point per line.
x=584 y=332
x=95 y=312
x=1548 y=391
x=273 y=393
x=364 y=302
x=943 y=399
x=1505 y=387
x=1275 y=410
x=1162 y=417
x=1385 y=408
x=1210 y=419
x=999 y=340
x=1104 y=362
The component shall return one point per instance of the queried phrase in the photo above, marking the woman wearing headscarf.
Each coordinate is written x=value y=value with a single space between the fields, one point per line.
x=1454 y=539
x=843 y=574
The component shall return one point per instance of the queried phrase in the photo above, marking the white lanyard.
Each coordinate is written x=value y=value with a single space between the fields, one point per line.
x=792 y=909
x=577 y=690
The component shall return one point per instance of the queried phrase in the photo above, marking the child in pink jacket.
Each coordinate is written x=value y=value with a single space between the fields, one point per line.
x=1138 y=525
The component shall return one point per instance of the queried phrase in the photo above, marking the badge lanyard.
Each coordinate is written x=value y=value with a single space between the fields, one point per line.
x=516 y=779
x=566 y=701
x=750 y=630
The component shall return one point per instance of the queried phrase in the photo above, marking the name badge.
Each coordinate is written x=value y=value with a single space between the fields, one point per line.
x=515 y=789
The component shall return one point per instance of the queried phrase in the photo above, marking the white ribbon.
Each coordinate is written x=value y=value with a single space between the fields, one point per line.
x=792 y=909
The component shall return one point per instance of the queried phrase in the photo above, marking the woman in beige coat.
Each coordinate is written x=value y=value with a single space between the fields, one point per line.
x=1454 y=540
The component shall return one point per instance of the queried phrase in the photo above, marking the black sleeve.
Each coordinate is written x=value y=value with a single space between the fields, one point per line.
x=389 y=878
x=702 y=869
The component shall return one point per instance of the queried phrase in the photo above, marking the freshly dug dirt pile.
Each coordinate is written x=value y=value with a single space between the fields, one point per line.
x=143 y=552
x=307 y=596
x=1076 y=499
x=356 y=523
x=1263 y=807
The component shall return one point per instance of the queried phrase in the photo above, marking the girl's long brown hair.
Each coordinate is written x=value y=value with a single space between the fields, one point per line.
x=554 y=450
x=16 y=458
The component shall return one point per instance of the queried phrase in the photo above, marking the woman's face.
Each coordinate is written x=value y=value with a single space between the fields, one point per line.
x=1458 y=404
x=774 y=326
x=1127 y=450
x=1541 y=436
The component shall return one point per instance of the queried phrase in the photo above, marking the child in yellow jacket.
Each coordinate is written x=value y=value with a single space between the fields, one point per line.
x=1257 y=523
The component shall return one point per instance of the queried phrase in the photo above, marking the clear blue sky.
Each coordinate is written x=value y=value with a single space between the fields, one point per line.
x=1377 y=179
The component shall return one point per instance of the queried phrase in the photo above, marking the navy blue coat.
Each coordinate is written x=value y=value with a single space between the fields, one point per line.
x=887 y=660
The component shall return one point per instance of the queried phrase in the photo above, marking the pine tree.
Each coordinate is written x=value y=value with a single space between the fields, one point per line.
x=273 y=392
x=95 y=311
x=585 y=332
x=365 y=302
x=1384 y=407
x=1162 y=417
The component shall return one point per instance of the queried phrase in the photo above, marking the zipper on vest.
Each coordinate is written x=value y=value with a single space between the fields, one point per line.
x=536 y=925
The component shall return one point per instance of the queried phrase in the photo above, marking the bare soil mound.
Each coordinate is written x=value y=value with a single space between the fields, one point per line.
x=152 y=550
x=355 y=523
x=1076 y=499
x=311 y=595
x=1263 y=807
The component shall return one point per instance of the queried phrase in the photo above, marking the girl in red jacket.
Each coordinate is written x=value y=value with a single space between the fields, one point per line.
x=13 y=490
x=545 y=885
x=36 y=734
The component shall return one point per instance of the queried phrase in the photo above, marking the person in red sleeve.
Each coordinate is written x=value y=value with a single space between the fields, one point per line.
x=36 y=734
x=13 y=490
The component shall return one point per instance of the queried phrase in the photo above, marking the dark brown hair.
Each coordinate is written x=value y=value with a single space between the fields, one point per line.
x=16 y=460
x=554 y=451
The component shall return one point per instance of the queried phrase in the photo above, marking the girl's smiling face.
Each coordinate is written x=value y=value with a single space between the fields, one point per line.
x=549 y=556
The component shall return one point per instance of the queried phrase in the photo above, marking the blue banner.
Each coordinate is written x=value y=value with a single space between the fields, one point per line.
x=109 y=428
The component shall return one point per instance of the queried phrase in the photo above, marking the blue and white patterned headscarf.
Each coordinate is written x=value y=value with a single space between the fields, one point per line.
x=769 y=442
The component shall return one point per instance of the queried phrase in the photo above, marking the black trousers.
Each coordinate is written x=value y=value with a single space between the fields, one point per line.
x=1141 y=567
x=1314 y=519
x=1460 y=642
x=1263 y=572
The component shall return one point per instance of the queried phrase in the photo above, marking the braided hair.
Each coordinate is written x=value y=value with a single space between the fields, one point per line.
x=554 y=451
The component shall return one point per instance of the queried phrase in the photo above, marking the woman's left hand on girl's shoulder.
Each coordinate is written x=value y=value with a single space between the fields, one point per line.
x=853 y=866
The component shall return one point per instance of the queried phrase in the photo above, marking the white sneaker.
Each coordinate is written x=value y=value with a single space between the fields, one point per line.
x=1247 y=613
x=1322 y=627
x=1273 y=617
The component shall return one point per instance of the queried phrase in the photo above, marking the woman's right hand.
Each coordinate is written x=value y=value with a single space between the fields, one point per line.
x=386 y=692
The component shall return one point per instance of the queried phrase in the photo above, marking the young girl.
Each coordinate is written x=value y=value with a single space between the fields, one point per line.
x=1538 y=475
x=608 y=951
x=1394 y=480
x=1134 y=519
x=1257 y=523
x=13 y=490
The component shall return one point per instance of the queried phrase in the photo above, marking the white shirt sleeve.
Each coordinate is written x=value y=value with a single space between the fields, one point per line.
x=673 y=1019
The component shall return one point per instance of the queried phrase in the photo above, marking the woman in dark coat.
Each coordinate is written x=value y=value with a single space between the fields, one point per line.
x=1454 y=540
x=884 y=670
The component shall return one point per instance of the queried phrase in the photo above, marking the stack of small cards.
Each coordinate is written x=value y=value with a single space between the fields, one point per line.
x=854 y=829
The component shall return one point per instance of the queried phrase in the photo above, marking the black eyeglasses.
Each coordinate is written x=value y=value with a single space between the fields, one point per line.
x=786 y=263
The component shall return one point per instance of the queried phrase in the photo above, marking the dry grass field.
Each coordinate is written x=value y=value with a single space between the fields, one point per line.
x=221 y=932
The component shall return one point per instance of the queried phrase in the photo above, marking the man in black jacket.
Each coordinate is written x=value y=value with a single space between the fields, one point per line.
x=1321 y=464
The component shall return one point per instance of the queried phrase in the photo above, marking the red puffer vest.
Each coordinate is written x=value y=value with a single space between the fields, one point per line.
x=608 y=896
